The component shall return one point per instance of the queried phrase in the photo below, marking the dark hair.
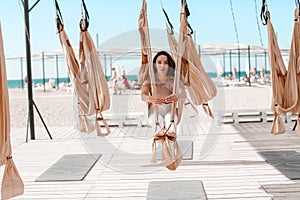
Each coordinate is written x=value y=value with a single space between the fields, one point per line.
x=171 y=69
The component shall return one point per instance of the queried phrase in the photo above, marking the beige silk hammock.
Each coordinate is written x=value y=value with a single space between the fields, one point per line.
x=285 y=87
x=146 y=72
x=89 y=88
x=12 y=184
x=189 y=70
x=199 y=85
x=99 y=99
x=291 y=98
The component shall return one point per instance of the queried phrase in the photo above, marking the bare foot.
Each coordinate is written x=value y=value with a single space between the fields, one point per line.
x=159 y=134
x=171 y=135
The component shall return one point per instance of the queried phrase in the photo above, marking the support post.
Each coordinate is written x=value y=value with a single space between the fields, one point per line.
x=57 y=72
x=22 y=76
x=239 y=63
x=29 y=76
x=249 y=65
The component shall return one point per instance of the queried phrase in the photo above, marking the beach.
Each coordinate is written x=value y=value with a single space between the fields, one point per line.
x=57 y=106
x=223 y=159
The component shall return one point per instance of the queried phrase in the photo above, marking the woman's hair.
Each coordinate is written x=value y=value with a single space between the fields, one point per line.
x=171 y=69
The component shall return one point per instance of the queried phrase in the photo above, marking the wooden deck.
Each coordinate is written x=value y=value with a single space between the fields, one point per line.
x=225 y=159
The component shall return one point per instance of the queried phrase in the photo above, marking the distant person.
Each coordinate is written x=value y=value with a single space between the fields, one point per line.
x=230 y=77
x=254 y=73
x=246 y=78
x=262 y=73
x=124 y=83
x=113 y=80
x=25 y=81
x=234 y=73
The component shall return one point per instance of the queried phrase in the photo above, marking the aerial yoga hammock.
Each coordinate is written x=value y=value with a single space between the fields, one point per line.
x=12 y=184
x=90 y=85
x=146 y=76
x=199 y=85
x=188 y=68
x=285 y=88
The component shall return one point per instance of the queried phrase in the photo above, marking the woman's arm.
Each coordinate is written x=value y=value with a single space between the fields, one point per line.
x=147 y=97
x=180 y=94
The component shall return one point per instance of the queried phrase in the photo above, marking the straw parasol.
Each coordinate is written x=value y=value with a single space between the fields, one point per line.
x=99 y=99
x=278 y=76
x=12 y=184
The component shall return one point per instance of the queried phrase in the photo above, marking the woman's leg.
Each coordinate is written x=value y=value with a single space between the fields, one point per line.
x=171 y=124
x=160 y=122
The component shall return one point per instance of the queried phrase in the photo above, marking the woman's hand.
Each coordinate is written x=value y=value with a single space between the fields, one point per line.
x=171 y=99
x=156 y=100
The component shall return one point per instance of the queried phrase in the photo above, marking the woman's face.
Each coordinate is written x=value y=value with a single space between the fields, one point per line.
x=162 y=65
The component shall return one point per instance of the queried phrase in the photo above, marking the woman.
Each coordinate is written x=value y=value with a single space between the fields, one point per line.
x=164 y=71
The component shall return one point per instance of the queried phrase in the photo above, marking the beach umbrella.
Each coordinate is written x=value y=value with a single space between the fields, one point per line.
x=99 y=98
x=80 y=86
x=278 y=76
x=12 y=184
x=200 y=86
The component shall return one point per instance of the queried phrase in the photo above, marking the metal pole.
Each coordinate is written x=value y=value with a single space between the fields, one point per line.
x=249 y=64
x=110 y=64
x=256 y=61
x=224 y=64
x=22 y=77
x=105 y=63
x=97 y=40
x=230 y=63
x=239 y=63
x=57 y=73
x=266 y=62
x=28 y=59
x=43 y=65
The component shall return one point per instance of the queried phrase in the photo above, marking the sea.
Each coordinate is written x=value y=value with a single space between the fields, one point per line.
x=18 y=83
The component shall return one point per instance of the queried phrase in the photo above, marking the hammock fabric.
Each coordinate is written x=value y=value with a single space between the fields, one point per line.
x=12 y=184
x=278 y=77
x=145 y=73
x=88 y=78
x=145 y=69
x=290 y=98
x=99 y=100
x=80 y=88
x=291 y=101
x=200 y=86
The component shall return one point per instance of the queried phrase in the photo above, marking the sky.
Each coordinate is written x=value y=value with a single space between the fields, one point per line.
x=212 y=22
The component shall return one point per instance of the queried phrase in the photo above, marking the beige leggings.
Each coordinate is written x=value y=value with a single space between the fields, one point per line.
x=164 y=118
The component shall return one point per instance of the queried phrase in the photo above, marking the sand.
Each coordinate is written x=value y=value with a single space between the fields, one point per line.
x=57 y=106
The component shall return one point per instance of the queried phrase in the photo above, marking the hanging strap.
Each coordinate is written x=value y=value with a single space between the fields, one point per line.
x=187 y=14
x=168 y=20
x=99 y=117
x=85 y=17
x=297 y=2
x=59 y=22
x=263 y=13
